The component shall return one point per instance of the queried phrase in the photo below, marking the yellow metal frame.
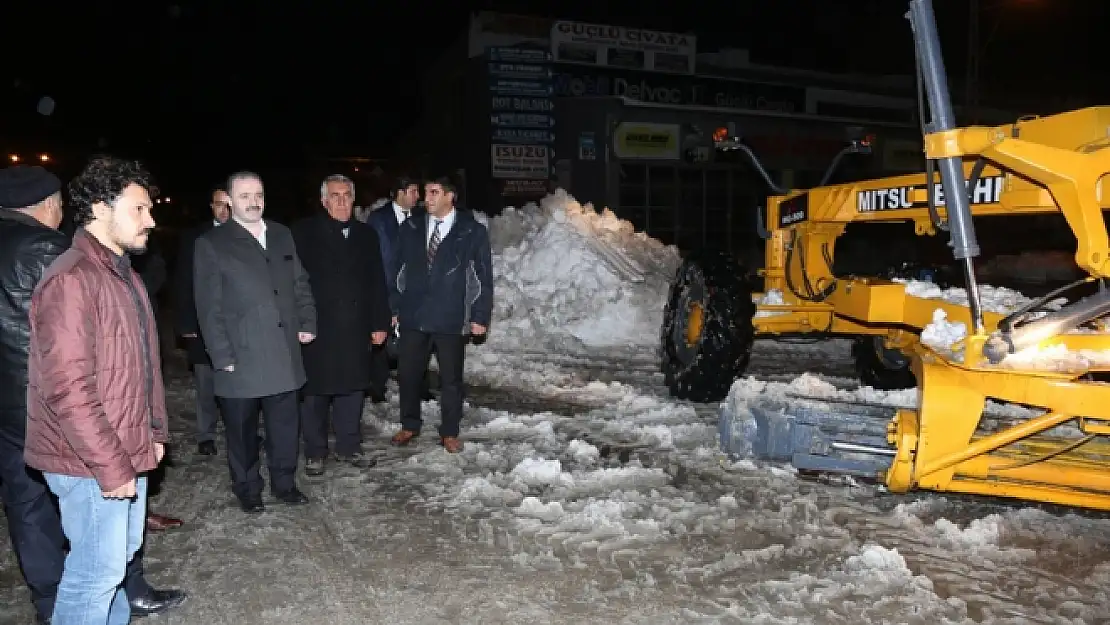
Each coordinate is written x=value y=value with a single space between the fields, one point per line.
x=1052 y=164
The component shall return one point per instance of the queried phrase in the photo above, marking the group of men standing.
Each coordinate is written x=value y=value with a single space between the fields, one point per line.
x=289 y=323
x=294 y=322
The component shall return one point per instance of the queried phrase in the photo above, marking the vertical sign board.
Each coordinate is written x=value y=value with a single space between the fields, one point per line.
x=522 y=121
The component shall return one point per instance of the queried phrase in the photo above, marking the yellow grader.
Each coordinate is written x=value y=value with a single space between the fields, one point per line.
x=1055 y=164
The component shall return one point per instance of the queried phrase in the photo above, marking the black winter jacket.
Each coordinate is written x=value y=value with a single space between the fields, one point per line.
x=26 y=249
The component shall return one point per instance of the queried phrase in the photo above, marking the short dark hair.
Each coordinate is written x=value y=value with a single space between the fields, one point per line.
x=446 y=183
x=403 y=183
x=103 y=180
x=241 y=175
x=216 y=189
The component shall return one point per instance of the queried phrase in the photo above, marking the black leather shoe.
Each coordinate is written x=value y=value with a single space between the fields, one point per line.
x=292 y=497
x=206 y=448
x=156 y=602
x=252 y=505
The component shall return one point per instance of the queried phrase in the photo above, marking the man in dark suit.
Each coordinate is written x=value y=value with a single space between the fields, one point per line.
x=386 y=221
x=344 y=267
x=442 y=294
x=188 y=327
x=255 y=308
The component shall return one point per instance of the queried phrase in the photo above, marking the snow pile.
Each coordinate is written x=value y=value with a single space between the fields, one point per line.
x=568 y=277
x=942 y=334
x=994 y=299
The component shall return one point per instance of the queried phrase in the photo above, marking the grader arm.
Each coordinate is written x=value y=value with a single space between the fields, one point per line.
x=1030 y=360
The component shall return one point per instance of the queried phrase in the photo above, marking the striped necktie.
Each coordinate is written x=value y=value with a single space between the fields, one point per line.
x=433 y=245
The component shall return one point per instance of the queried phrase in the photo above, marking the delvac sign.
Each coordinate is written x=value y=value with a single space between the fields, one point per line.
x=682 y=91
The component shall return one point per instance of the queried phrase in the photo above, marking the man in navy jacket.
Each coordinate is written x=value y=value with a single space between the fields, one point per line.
x=442 y=294
x=387 y=220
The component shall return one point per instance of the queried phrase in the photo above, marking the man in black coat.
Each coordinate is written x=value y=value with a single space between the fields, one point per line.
x=343 y=259
x=188 y=328
x=30 y=214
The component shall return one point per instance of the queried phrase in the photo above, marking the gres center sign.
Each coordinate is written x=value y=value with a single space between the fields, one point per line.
x=681 y=90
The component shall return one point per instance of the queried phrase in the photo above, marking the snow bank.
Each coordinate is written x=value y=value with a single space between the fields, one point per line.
x=567 y=276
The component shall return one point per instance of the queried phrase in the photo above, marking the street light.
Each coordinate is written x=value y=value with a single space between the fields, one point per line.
x=44 y=158
x=13 y=158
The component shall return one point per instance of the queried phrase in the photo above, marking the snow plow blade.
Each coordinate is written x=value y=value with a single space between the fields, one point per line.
x=952 y=440
x=812 y=434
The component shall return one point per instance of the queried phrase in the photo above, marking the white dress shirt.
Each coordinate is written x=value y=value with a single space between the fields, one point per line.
x=445 y=224
x=261 y=236
x=400 y=213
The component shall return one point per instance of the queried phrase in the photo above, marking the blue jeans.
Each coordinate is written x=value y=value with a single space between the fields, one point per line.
x=104 y=535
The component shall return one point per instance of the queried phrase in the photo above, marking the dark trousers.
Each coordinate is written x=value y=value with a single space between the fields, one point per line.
x=35 y=528
x=380 y=365
x=379 y=370
x=346 y=417
x=282 y=422
x=414 y=350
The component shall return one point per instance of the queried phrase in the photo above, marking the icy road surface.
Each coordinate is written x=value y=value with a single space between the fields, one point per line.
x=602 y=502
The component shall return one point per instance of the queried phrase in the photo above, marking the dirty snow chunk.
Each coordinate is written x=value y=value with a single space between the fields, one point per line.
x=942 y=334
x=542 y=472
x=981 y=532
x=583 y=452
x=570 y=276
x=772 y=297
x=994 y=299
x=533 y=507
x=480 y=489
x=877 y=558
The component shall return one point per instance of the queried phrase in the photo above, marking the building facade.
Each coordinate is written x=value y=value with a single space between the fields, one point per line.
x=624 y=118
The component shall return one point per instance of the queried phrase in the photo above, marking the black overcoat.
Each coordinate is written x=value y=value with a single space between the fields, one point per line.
x=348 y=286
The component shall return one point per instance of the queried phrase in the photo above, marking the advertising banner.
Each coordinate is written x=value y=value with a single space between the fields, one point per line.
x=639 y=140
x=618 y=46
x=520 y=161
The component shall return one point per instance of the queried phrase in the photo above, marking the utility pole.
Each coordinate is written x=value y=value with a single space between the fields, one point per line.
x=972 y=78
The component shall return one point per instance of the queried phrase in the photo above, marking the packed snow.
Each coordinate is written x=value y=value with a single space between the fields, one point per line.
x=569 y=277
x=585 y=494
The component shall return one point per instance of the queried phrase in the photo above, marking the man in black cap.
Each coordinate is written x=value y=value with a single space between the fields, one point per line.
x=30 y=213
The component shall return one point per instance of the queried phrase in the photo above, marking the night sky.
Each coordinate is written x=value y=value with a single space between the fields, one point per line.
x=205 y=86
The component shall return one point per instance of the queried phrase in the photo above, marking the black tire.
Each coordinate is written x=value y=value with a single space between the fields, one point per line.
x=880 y=367
x=705 y=370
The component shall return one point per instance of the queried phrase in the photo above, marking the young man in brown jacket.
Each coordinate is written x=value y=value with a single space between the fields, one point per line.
x=96 y=411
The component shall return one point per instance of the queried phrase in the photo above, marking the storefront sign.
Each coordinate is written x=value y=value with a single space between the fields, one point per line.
x=522 y=114
x=646 y=141
x=618 y=46
x=520 y=161
x=523 y=135
x=518 y=71
x=522 y=104
x=681 y=90
x=528 y=88
x=587 y=147
x=525 y=189
x=522 y=54
x=522 y=120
